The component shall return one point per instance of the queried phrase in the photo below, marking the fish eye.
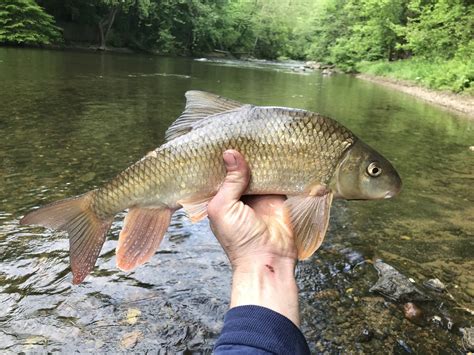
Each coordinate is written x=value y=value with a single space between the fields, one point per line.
x=374 y=170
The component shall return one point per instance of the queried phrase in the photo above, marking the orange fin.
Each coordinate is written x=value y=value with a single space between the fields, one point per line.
x=196 y=208
x=142 y=233
x=309 y=216
x=86 y=231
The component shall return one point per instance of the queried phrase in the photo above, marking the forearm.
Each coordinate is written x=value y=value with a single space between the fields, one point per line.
x=269 y=282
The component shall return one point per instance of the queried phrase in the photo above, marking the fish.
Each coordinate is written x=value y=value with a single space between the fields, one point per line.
x=303 y=155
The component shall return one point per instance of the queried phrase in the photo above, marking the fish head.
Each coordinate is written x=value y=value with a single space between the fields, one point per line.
x=364 y=174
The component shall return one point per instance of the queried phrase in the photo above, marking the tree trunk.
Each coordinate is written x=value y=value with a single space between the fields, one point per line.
x=255 y=45
x=101 y=36
x=104 y=27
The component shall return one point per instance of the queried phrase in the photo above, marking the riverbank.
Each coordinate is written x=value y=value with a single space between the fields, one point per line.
x=456 y=102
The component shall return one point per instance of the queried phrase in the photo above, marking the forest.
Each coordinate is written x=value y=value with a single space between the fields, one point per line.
x=427 y=41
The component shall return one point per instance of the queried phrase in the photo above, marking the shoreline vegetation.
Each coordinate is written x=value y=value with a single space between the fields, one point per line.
x=403 y=44
x=460 y=103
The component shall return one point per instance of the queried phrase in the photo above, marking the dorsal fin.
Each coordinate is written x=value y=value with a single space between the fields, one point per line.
x=199 y=105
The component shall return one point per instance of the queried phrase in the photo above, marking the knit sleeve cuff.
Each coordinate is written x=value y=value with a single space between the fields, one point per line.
x=260 y=328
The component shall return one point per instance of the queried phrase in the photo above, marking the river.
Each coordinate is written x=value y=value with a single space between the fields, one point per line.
x=69 y=121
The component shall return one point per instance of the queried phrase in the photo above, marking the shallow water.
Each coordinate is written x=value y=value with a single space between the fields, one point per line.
x=69 y=121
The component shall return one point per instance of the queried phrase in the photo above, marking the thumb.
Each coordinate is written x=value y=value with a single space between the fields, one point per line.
x=235 y=182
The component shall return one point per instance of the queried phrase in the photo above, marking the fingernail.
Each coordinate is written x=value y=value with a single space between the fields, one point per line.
x=229 y=160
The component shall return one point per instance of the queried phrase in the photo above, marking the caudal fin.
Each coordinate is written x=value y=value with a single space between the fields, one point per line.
x=86 y=230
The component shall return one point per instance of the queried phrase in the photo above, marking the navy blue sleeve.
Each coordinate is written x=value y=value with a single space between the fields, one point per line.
x=259 y=330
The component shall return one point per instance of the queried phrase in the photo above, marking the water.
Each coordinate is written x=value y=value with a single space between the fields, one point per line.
x=70 y=121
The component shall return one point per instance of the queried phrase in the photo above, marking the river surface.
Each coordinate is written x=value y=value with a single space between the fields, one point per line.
x=69 y=121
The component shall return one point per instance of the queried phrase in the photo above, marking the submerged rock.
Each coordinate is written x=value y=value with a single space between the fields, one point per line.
x=401 y=347
x=366 y=335
x=312 y=65
x=468 y=338
x=412 y=312
x=394 y=285
x=435 y=284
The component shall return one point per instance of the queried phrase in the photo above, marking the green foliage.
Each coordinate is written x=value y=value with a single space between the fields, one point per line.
x=438 y=28
x=24 y=22
x=348 y=31
x=456 y=74
x=368 y=35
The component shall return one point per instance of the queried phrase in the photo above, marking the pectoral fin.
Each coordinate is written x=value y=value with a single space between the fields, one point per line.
x=142 y=233
x=196 y=207
x=309 y=215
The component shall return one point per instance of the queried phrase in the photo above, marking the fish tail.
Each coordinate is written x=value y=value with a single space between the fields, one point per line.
x=86 y=229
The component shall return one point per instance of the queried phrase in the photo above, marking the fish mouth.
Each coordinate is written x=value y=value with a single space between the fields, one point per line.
x=395 y=190
x=392 y=193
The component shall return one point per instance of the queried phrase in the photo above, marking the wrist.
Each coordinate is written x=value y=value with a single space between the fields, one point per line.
x=267 y=281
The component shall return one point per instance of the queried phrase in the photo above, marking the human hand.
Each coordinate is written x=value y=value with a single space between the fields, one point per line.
x=254 y=227
x=258 y=240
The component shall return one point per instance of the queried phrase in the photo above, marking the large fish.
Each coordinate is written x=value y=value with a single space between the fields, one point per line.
x=301 y=154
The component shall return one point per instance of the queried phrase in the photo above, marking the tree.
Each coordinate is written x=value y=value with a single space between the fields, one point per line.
x=107 y=11
x=24 y=22
x=438 y=27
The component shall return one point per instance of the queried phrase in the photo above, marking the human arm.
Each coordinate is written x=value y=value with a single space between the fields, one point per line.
x=259 y=243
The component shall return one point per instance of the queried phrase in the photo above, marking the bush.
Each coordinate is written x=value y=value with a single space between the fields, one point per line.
x=456 y=74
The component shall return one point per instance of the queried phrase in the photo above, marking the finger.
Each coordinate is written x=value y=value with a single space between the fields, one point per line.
x=235 y=182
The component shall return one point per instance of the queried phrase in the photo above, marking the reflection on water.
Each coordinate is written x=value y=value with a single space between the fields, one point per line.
x=70 y=121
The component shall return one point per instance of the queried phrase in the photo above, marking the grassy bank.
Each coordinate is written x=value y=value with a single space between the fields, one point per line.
x=455 y=75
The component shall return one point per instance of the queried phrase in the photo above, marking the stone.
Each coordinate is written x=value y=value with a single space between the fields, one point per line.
x=394 y=285
x=468 y=338
x=412 y=312
x=435 y=284
x=129 y=340
x=87 y=177
x=365 y=335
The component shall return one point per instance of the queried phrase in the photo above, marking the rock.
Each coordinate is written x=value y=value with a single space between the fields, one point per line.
x=412 y=312
x=132 y=315
x=401 y=347
x=87 y=177
x=327 y=72
x=129 y=340
x=312 y=65
x=395 y=286
x=470 y=289
x=365 y=335
x=471 y=148
x=331 y=294
x=437 y=320
x=435 y=284
x=468 y=338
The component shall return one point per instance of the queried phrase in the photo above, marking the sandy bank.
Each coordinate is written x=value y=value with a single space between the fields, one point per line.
x=459 y=103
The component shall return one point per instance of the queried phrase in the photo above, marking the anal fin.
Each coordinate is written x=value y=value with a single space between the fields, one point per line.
x=196 y=207
x=141 y=235
x=309 y=216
